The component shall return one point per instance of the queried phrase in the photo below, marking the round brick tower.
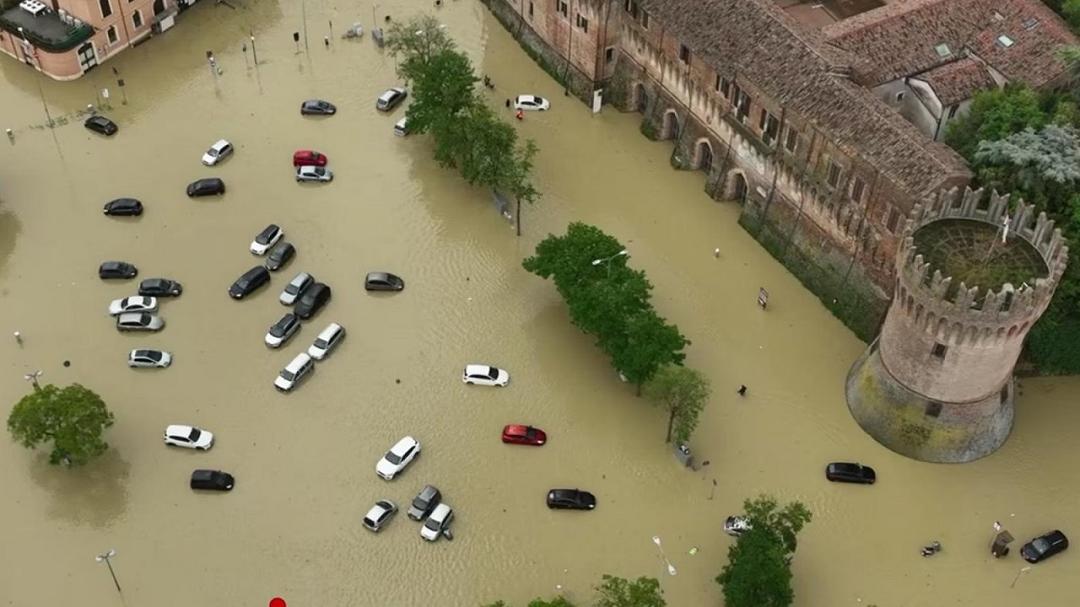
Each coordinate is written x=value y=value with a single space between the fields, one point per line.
x=936 y=385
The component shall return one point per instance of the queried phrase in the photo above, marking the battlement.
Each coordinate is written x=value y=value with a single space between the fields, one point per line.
x=960 y=280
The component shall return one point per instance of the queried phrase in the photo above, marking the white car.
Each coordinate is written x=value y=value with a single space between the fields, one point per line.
x=330 y=337
x=266 y=239
x=189 y=436
x=139 y=321
x=398 y=457
x=217 y=152
x=135 y=303
x=531 y=103
x=484 y=375
x=379 y=515
x=296 y=288
x=314 y=173
x=438 y=523
x=149 y=358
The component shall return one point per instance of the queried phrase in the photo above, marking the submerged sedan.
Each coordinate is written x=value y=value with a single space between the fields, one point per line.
x=517 y=434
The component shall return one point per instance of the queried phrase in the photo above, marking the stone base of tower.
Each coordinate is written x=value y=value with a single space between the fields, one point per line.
x=919 y=428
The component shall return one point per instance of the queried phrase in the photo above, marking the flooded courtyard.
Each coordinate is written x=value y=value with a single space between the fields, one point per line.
x=304 y=461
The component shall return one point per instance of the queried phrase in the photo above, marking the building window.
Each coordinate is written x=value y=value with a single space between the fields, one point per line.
x=725 y=88
x=939 y=351
x=609 y=54
x=792 y=140
x=953 y=110
x=136 y=19
x=530 y=9
x=933 y=409
x=631 y=7
x=1005 y=393
x=770 y=127
x=894 y=220
x=900 y=96
x=684 y=53
x=112 y=34
x=858 y=187
x=561 y=7
x=834 y=174
x=645 y=19
x=742 y=103
x=583 y=23
x=106 y=8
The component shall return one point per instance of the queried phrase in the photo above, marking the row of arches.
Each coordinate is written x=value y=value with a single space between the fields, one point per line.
x=954 y=334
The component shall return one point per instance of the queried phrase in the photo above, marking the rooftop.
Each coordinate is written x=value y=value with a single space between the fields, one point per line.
x=1016 y=37
x=957 y=81
x=45 y=31
x=971 y=252
x=796 y=67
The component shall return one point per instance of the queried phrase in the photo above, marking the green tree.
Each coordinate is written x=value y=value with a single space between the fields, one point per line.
x=619 y=592
x=415 y=42
x=72 y=418
x=568 y=260
x=558 y=601
x=647 y=344
x=757 y=573
x=1043 y=167
x=684 y=393
x=1071 y=56
x=442 y=89
x=783 y=524
x=994 y=115
x=1070 y=9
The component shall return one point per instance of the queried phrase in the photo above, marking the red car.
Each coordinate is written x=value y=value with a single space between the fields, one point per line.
x=523 y=435
x=308 y=158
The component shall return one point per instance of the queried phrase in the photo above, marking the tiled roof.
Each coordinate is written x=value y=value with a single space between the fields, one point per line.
x=957 y=81
x=907 y=37
x=795 y=67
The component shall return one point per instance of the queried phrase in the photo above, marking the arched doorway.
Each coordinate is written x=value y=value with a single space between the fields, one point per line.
x=641 y=98
x=159 y=7
x=669 y=129
x=703 y=155
x=735 y=186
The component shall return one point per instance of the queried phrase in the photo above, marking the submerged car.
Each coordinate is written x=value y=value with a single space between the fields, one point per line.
x=139 y=321
x=317 y=107
x=136 y=303
x=123 y=207
x=314 y=173
x=117 y=269
x=249 y=282
x=438 y=524
x=209 y=186
x=484 y=375
x=842 y=472
x=101 y=125
x=212 y=480
x=517 y=434
x=1044 y=546
x=379 y=515
x=531 y=102
x=308 y=158
x=424 y=502
x=313 y=300
x=280 y=256
x=266 y=239
x=383 y=281
x=189 y=437
x=149 y=359
x=281 y=331
x=401 y=127
x=298 y=368
x=160 y=287
x=391 y=98
x=398 y=458
x=217 y=152
x=296 y=288
x=330 y=337
x=570 y=499
x=737 y=525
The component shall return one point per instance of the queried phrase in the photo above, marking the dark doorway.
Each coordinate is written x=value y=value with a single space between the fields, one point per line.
x=670 y=127
x=641 y=98
x=705 y=156
x=740 y=188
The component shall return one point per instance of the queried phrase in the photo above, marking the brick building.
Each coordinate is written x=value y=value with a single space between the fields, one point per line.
x=66 y=38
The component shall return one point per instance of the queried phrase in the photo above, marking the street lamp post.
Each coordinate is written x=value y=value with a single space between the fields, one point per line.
x=254 y=53
x=607 y=260
x=105 y=556
x=33 y=378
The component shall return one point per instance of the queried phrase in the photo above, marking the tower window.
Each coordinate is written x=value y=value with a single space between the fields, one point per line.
x=1005 y=393
x=939 y=351
x=933 y=409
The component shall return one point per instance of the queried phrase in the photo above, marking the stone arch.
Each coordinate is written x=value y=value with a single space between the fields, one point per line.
x=669 y=125
x=735 y=186
x=956 y=335
x=940 y=330
x=640 y=98
x=930 y=318
x=918 y=314
x=910 y=304
x=1012 y=331
x=971 y=336
x=703 y=155
x=1000 y=337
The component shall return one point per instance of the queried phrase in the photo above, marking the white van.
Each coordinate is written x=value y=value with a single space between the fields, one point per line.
x=330 y=337
x=401 y=127
x=294 y=372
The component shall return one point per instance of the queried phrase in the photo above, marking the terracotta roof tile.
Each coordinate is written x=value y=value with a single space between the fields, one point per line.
x=954 y=82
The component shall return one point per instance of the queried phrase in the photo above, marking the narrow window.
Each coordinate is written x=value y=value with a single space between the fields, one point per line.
x=136 y=19
x=583 y=23
x=792 y=140
x=770 y=127
x=106 y=8
x=717 y=85
x=725 y=88
x=857 y=189
x=834 y=174
x=900 y=96
x=530 y=9
x=933 y=409
x=562 y=8
x=953 y=110
x=1005 y=393
x=742 y=104
x=939 y=351
x=684 y=53
x=894 y=220
x=112 y=34
x=645 y=19
x=609 y=54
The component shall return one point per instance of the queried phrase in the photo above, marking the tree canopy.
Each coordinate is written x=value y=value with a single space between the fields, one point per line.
x=72 y=418
x=619 y=592
x=757 y=574
x=684 y=392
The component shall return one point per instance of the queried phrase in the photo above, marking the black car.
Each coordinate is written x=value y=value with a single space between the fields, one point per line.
x=213 y=480
x=160 y=287
x=280 y=255
x=117 y=269
x=571 y=499
x=206 y=187
x=1044 y=546
x=317 y=107
x=313 y=299
x=840 y=472
x=101 y=124
x=383 y=281
x=123 y=207
x=424 y=503
x=249 y=282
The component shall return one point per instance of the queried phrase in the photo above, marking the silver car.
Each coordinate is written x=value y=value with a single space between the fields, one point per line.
x=314 y=173
x=379 y=515
x=139 y=321
x=296 y=288
x=149 y=358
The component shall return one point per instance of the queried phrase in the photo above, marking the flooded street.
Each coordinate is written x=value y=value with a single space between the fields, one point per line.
x=304 y=461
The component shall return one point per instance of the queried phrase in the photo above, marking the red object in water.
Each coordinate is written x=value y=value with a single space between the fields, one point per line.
x=518 y=434
x=520 y=115
x=277 y=601
x=307 y=158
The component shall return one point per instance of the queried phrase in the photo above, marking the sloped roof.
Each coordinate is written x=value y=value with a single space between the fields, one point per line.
x=795 y=67
x=957 y=81
x=907 y=37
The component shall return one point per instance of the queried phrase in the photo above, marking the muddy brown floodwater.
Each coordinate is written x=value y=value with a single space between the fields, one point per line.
x=304 y=462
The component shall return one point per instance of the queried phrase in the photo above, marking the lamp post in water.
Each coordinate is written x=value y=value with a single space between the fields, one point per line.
x=33 y=378
x=105 y=556
x=607 y=260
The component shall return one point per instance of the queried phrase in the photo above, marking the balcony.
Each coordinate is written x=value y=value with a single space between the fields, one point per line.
x=45 y=30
